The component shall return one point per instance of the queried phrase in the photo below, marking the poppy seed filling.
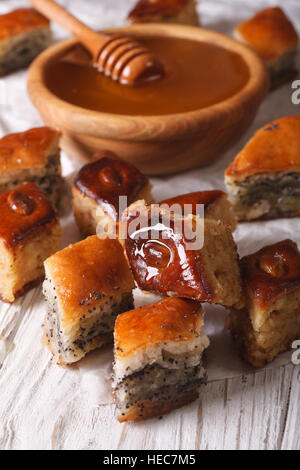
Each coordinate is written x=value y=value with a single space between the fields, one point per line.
x=274 y=195
x=96 y=323
x=156 y=383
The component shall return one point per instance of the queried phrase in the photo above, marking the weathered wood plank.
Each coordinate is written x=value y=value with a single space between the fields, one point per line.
x=246 y=413
x=290 y=438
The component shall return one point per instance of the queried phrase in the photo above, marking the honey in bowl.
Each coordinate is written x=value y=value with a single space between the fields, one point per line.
x=197 y=75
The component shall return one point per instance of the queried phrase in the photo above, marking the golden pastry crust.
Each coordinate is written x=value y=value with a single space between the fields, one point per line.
x=107 y=178
x=269 y=32
x=24 y=33
x=20 y=21
x=29 y=149
x=158 y=358
x=216 y=205
x=29 y=233
x=33 y=156
x=271 y=320
x=181 y=11
x=97 y=189
x=272 y=272
x=25 y=212
x=274 y=148
x=171 y=319
x=79 y=270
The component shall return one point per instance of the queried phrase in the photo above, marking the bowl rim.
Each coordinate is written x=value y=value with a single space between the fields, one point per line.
x=159 y=127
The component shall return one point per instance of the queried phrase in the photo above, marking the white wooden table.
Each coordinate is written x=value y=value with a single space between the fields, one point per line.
x=43 y=408
x=259 y=411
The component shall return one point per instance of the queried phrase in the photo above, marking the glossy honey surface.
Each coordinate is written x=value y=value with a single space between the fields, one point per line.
x=160 y=255
x=25 y=211
x=198 y=75
x=106 y=180
x=272 y=272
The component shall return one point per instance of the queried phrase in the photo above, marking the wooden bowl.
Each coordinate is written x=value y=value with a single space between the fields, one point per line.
x=155 y=144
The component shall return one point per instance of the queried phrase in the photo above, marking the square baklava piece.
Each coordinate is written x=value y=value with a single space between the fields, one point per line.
x=188 y=257
x=158 y=358
x=272 y=35
x=87 y=285
x=214 y=203
x=263 y=181
x=165 y=11
x=34 y=156
x=271 y=320
x=29 y=233
x=98 y=188
x=24 y=33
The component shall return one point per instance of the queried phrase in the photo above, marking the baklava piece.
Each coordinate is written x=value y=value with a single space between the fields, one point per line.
x=263 y=181
x=97 y=189
x=182 y=256
x=272 y=35
x=215 y=204
x=29 y=233
x=165 y=11
x=24 y=33
x=158 y=358
x=34 y=156
x=271 y=320
x=87 y=285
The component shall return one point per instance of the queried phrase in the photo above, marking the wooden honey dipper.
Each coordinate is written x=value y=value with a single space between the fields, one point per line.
x=119 y=57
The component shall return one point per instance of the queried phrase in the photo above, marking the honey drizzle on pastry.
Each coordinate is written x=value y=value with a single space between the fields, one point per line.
x=272 y=271
x=35 y=210
x=107 y=178
x=160 y=260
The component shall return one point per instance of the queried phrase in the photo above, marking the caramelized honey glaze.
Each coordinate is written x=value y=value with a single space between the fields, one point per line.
x=271 y=272
x=106 y=179
x=25 y=211
x=161 y=260
x=207 y=198
x=197 y=75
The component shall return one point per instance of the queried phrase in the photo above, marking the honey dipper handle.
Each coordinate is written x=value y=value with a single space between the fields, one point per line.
x=92 y=40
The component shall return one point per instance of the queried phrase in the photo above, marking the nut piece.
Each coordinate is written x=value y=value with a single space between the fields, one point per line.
x=157 y=254
x=20 y=203
x=276 y=266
